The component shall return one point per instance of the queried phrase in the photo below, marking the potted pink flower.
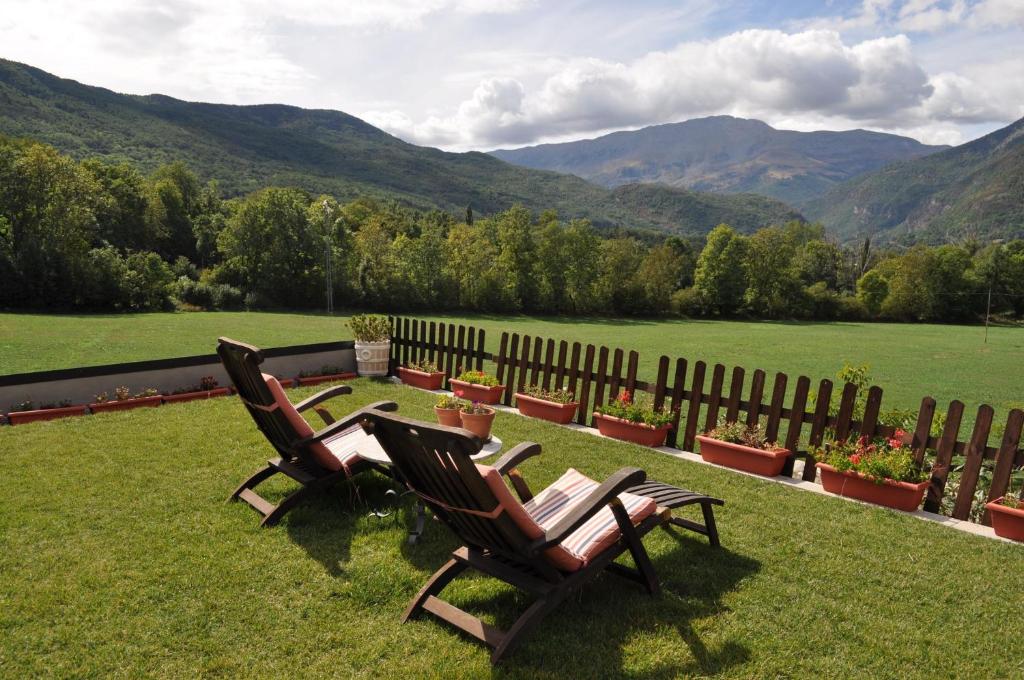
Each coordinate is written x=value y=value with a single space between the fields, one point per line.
x=26 y=412
x=478 y=386
x=421 y=374
x=124 y=400
x=556 y=406
x=880 y=471
x=742 y=447
x=1007 y=515
x=477 y=418
x=633 y=420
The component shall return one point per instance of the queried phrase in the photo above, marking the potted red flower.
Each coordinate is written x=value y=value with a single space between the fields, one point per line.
x=477 y=418
x=478 y=386
x=124 y=400
x=421 y=374
x=880 y=471
x=447 y=411
x=325 y=374
x=633 y=420
x=26 y=412
x=1007 y=515
x=206 y=389
x=742 y=447
x=556 y=406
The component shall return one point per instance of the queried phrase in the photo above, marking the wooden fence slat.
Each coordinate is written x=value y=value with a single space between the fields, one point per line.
x=406 y=337
x=796 y=423
x=714 y=397
x=510 y=381
x=583 y=413
x=563 y=349
x=432 y=342
x=499 y=361
x=732 y=406
x=423 y=340
x=943 y=456
x=460 y=362
x=1005 y=459
x=631 y=369
x=818 y=426
x=771 y=426
x=660 y=386
x=524 y=360
x=480 y=349
x=574 y=367
x=678 y=390
x=693 y=412
x=442 y=365
x=470 y=348
x=549 y=356
x=923 y=430
x=538 y=345
x=756 y=395
x=451 y=369
x=872 y=406
x=602 y=366
x=972 y=464
x=846 y=405
x=616 y=379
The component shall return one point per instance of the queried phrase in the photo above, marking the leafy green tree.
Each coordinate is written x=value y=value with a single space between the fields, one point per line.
x=619 y=285
x=719 y=279
x=818 y=261
x=517 y=254
x=121 y=214
x=872 y=289
x=772 y=289
x=582 y=261
x=660 y=274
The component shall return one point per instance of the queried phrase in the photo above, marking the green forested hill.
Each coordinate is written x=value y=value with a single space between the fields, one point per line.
x=975 y=190
x=249 y=147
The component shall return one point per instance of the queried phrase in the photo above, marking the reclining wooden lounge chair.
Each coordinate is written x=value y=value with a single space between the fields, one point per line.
x=548 y=545
x=316 y=460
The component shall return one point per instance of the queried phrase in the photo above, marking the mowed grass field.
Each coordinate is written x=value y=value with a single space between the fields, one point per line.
x=908 y=360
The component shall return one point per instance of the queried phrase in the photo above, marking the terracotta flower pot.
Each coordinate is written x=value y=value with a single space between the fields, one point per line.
x=286 y=382
x=421 y=379
x=126 y=404
x=479 y=423
x=638 y=433
x=318 y=379
x=193 y=396
x=1006 y=522
x=767 y=463
x=892 y=494
x=22 y=417
x=546 y=410
x=448 y=416
x=478 y=393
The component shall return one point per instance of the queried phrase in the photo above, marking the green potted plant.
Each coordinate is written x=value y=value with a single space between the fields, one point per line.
x=880 y=471
x=124 y=400
x=206 y=389
x=1007 y=515
x=742 y=447
x=477 y=386
x=633 y=420
x=373 y=343
x=27 y=412
x=421 y=374
x=556 y=406
x=447 y=411
x=477 y=418
x=325 y=374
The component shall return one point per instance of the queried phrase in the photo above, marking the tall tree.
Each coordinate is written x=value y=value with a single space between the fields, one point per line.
x=719 y=278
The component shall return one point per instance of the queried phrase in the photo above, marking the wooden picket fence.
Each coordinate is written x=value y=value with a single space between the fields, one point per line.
x=697 y=398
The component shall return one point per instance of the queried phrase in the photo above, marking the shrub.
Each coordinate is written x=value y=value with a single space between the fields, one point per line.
x=636 y=410
x=425 y=366
x=741 y=433
x=686 y=302
x=479 y=378
x=207 y=295
x=370 y=327
x=556 y=396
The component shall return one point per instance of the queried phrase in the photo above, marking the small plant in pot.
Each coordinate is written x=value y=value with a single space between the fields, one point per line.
x=477 y=418
x=634 y=419
x=326 y=373
x=28 y=412
x=447 y=411
x=881 y=471
x=124 y=400
x=422 y=374
x=206 y=389
x=373 y=343
x=478 y=386
x=556 y=406
x=742 y=447
x=1007 y=515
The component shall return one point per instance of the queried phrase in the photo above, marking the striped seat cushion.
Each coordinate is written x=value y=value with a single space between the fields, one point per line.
x=555 y=502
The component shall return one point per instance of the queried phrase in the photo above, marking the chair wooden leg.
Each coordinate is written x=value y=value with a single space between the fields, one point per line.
x=527 y=622
x=709 y=524
x=636 y=549
x=441 y=578
x=254 y=480
x=298 y=496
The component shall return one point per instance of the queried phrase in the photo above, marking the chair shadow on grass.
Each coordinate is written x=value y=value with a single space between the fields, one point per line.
x=586 y=635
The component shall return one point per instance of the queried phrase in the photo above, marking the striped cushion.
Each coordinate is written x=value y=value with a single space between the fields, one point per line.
x=344 y=446
x=600 y=531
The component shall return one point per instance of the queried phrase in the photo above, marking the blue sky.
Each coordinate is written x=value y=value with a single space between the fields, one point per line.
x=479 y=74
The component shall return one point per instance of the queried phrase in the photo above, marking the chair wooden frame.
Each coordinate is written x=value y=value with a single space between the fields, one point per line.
x=435 y=463
x=295 y=460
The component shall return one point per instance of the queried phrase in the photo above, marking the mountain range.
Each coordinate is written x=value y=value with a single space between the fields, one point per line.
x=724 y=154
x=248 y=147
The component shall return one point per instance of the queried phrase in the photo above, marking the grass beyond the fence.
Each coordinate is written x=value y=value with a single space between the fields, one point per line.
x=908 y=361
x=120 y=558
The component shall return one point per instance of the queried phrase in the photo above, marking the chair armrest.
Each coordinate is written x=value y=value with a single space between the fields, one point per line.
x=345 y=423
x=516 y=455
x=322 y=396
x=589 y=506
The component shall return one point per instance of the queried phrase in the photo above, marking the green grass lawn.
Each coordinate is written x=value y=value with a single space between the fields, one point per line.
x=120 y=558
x=909 y=361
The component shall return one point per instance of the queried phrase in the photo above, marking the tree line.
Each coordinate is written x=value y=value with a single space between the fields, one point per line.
x=104 y=236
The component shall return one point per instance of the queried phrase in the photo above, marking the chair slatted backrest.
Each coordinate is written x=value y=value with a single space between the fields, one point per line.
x=242 y=363
x=435 y=463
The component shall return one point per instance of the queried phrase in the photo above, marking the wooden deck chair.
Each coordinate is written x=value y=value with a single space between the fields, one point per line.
x=316 y=460
x=548 y=545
